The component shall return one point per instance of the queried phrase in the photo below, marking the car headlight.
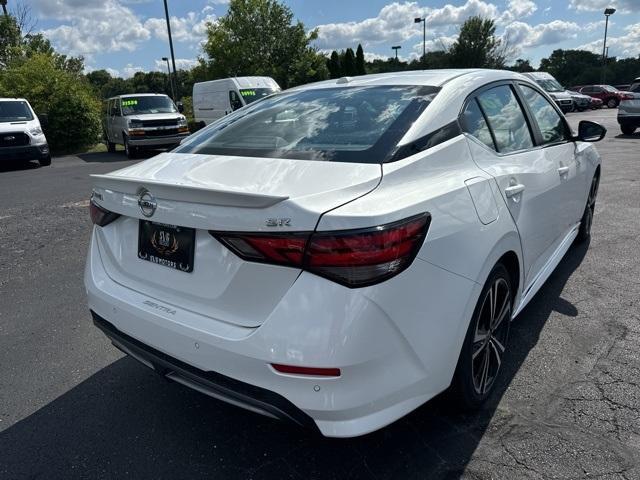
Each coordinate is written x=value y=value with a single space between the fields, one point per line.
x=135 y=124
x=35 y=131
x=182 y=122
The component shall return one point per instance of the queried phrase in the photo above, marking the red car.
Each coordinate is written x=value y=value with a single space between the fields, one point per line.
x=609 y=95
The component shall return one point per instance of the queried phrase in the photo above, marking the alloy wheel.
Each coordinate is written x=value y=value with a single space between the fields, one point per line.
x=490 y=338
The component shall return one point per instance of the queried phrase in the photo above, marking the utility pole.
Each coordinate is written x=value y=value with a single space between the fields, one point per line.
x=424 y=37
x=607 y=13
x=173 y=57
x=4 y=7
x=173 y=90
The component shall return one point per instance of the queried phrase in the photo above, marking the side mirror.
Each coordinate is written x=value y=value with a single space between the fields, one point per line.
x=43 y=118
x=590 y=131
x=180 y=106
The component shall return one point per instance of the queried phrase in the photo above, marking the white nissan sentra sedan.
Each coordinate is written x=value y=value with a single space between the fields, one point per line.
x=339 y=253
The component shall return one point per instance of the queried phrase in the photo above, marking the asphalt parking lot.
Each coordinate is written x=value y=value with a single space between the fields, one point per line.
x=71 y=406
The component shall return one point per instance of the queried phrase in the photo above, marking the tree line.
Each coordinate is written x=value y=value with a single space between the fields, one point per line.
x=255 y=37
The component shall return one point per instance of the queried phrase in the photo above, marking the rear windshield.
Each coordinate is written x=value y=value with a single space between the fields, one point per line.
x=347 y=124
x=250 y=95
x=635 y=87
x=15 y=111
x=144 y=105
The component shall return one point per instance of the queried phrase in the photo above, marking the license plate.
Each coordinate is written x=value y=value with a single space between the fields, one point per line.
x=167 y=245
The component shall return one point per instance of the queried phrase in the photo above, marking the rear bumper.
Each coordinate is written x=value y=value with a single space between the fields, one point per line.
x=27 y=152
x=631 y=120
x=387 y=369
x=210 y=383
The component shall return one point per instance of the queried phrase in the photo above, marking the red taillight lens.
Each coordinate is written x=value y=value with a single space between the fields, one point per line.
x=626 y=96
x=100 y=216
x=354 y=258
x=363 y=257
x=278 y=249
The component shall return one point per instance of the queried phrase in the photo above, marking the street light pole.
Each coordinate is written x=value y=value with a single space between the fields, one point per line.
x=4 y=7
x=396 y=48
x=173 y=57
x=424 y=36
x=173 y=91
x=607 y=13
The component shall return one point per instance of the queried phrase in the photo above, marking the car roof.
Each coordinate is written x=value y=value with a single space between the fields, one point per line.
x=435 y=78
x=13 y=99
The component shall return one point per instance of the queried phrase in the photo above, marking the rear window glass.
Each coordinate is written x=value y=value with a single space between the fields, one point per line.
x=347 y=124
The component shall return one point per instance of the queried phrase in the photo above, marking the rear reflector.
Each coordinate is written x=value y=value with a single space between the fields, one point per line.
x=311 y=371
x=100 y=216
x=354 y=258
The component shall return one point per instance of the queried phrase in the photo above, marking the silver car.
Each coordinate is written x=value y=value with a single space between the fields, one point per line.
x=629 y=109
x=143 y=121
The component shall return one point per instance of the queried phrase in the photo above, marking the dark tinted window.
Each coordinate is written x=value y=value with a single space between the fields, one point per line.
x=635 y=87
x=506 y=119
x=348 y=124
x=473 y=122
x=145 y=105
x=551 y=125
x=586 y=89
x=15 y=111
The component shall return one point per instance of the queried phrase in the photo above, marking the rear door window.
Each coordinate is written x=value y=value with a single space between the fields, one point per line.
x=474 y=123
x=506 y=119
x=550 y=123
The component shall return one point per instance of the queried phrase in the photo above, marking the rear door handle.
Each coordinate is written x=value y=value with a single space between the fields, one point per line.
x=514 y=190
x=563 y=170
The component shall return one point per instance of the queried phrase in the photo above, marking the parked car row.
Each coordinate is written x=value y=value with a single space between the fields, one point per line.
x=610 y=96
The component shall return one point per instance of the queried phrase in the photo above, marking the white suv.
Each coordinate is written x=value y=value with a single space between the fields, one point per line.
x=339 y=253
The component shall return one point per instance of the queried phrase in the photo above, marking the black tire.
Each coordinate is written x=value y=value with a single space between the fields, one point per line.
x=584 y=233
x=472 y=383
x=627 y=129
x=45 y=162
x=130 y=152
x=612 y=102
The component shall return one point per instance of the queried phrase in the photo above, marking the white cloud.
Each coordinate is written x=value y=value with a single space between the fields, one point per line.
x=130 y=70
x=395 y=23
x=181 y=64
x=189 y=29
x=625 y=6
x=518 y=9
x=523 y=35
x=628 y=45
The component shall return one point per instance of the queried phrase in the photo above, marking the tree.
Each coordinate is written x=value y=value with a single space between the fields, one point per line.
x=258 y=37
x=477 y=46
x=349 y=63
x=521 y=66
x=360 y=63
x=573 y=67
x=334 y=65
x=10 y=39
x=74 y=112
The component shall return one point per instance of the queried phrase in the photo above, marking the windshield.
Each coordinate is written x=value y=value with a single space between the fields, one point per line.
x=611 y=89
x=252 y=94
x=550 y=85
x=143 y=105
x=348 y=124
x=15 y=111
x=635 y=87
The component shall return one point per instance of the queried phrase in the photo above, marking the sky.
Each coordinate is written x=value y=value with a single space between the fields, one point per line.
x=125 y=36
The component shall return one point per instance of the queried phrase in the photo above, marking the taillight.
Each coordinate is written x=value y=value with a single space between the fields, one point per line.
x=626 y=96
x=354 y=258
x=100 y=216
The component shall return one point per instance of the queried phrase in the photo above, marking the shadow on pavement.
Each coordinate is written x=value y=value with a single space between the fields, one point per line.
x=126 y=422
x=17 y=165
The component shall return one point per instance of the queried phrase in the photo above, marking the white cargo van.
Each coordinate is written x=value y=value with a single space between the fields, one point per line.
x=215 y=99
x=21 y=136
